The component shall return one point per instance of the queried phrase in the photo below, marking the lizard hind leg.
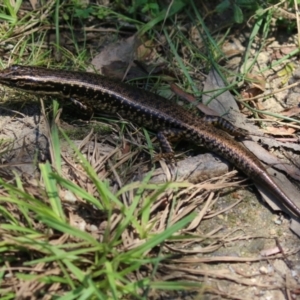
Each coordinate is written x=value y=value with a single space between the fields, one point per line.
x=164 y=137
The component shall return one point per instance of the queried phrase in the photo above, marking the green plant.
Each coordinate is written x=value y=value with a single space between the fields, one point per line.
x=237 y=7
x=10 y=10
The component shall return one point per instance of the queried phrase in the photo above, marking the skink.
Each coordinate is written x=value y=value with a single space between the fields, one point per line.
x=96 y=93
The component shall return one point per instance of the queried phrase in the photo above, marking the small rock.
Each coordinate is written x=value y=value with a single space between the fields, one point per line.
x=263 y=270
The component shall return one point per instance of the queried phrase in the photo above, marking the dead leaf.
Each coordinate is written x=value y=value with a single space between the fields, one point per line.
x=126 y=148
x=121 y=53
x=223 y=103
x=260 y=106
x=256 y=81
x=279 y=130
x=291 y=112
x=251 y=92
x=287 y=50
x=276 y=55
x=232 y=47
x=146 y=51
x=191 y=99
x=127 y=58
x=33 y=3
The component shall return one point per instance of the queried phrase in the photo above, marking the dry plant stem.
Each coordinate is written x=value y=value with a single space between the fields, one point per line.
x=125 y=158
x=222 y=274
x=21 y=268
x=73 y=166
x=101 y=163
x=224 y=259
x=13 y=111
x=166 y=170
x=86 y=139
x=290 y=140
x=200 y=250
x=274 y=121
x=187 y=210
x=48 y=132
x=269 y=94
x=209 y=216
x=196 y=239
x=116 y=219
x=223 y=294
x=120 y=183
x=196 y=222
x=160 y=202
x=163 y=218
x=194 y=190
x=298 y=21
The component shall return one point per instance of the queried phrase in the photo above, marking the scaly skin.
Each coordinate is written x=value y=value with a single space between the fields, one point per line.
x=96 y=93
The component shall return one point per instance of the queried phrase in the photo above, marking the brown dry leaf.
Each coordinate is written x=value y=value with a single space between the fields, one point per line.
x=127 y=58
x=291 y=112
x=279 y=130
x=178 y=91
x=260 y=106
x=126 y=148
x=280 y=53
x=251 y=92
x=232 y=47
x=276 y=55
x=115 y=58
x=222 y=103
x=146 y=51
x=256 y=81
x=33 y=3
x=287 y=50
x=191 y=99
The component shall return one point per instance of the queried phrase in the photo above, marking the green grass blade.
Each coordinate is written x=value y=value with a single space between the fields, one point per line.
x=52 y=190
x=175 y=7
x=156 y=240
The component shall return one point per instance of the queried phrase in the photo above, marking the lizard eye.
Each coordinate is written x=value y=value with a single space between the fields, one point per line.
x=14 y=67
x=20 y=83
